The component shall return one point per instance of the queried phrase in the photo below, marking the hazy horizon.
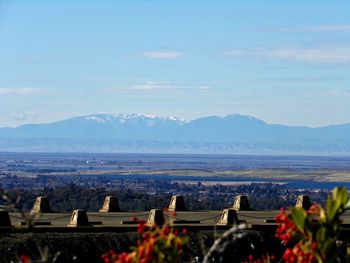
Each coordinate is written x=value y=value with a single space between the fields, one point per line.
x=281 y=62
x=171 y=117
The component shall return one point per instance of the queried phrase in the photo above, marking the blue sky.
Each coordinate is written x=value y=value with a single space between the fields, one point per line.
x=281 y=61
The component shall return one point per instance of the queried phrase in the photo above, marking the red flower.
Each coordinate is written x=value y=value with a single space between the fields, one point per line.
x=25 y=259
x=285 y=227
x=141 y=227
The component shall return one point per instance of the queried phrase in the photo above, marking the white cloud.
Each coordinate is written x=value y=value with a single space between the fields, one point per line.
x=329 y=55
x=66 y=102
x=341 y=93
x=22 y=91
x=204 y=88
x=316 y=55
x=153 y=86
x=162 y=54
x=305 y=79
x=316 y=28
x=142 y=87
x=25 y=116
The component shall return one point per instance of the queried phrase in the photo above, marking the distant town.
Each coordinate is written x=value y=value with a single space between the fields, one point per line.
x=142 y=182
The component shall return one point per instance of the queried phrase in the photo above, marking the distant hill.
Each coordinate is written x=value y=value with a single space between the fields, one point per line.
x=232 y=134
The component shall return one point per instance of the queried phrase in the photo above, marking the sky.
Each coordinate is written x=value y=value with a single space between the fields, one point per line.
x=283 y=62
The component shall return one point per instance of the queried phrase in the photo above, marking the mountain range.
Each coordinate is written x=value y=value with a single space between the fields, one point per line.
x=232 y=134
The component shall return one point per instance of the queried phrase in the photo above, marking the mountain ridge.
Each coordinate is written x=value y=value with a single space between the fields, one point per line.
x=227 y=134
x=152 y=116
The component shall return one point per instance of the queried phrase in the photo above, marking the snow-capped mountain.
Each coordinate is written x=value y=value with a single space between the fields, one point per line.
x=131 y=118
x=99 y=126
x=150 y=133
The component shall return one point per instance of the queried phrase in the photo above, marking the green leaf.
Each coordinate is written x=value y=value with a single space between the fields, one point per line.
x=328 y=245
x=331 y=209
x=321 y=235
x=347 y=205
x=337 y=202
x=310 y=226
x=298 y=216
